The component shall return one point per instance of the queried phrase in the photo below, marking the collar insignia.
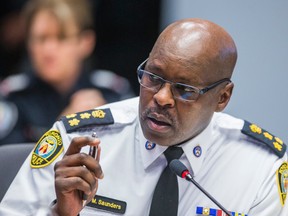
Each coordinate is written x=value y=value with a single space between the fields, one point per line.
x=197 y=151
x=149 y=145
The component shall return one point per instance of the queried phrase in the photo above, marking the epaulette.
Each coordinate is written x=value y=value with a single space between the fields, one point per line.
x=274 y=143
x=87 y=118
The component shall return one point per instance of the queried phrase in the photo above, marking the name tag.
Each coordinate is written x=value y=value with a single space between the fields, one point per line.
x=108 y=204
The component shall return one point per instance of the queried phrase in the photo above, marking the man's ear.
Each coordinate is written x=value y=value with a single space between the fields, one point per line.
x=224 y=97
x=87 y=43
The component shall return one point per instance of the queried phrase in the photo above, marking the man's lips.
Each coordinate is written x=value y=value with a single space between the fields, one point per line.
x=160 y=123
x=159 y=119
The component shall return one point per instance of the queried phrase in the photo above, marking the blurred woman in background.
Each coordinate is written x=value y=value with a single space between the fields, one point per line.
x=60 y=37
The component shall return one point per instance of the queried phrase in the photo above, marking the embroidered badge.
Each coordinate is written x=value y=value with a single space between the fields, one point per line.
x=149 y=145
x=48 y=148
x=90 y=117
x=108 y=204
x=282 y=180
x=215 y=212
x=197 y=151
x=274 y=143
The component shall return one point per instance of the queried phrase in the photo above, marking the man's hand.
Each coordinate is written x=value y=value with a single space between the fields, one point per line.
x=76 y=174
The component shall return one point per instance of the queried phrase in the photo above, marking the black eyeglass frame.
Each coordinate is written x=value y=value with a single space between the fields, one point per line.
x=202 y=91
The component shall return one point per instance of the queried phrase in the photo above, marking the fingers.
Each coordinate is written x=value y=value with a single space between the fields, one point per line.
x=76 y=175
x=78 y=142
x=78 y=171
x=79 y=162
x=71 y=178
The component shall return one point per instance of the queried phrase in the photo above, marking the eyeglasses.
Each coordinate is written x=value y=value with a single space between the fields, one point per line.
x=180 y=91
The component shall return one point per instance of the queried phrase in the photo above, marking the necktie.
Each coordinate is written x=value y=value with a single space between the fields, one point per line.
x=165 y=197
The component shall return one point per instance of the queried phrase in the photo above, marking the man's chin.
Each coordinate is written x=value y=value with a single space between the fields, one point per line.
x=159 y=140
x=161 y=135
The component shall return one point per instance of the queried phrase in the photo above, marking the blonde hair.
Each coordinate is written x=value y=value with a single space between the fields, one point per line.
x=64 y=10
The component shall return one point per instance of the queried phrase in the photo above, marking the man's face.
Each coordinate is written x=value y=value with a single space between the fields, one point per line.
x=168 y=121
x=54 y=57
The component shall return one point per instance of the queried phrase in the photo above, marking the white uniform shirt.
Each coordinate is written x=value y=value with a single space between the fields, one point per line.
x=238 y=171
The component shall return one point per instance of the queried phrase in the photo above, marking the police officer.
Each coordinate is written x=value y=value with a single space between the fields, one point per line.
x=60 y=37
x=185 y=84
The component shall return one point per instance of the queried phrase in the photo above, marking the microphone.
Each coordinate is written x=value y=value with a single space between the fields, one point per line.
x=178 y=168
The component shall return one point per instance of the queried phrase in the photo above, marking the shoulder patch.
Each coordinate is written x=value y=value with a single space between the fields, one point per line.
x=274 y=143
x=282 y=181
x=87 y=118
x=48 y=148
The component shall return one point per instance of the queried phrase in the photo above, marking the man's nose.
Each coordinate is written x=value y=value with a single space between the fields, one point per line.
x=164 y=97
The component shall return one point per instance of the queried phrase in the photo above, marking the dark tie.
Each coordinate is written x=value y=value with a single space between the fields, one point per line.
x=165 y=197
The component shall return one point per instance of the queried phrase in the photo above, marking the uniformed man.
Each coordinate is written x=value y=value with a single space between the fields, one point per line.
x=60 y=37
x=185 y=84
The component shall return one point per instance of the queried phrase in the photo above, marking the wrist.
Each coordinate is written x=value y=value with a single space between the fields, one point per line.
x=54 y=208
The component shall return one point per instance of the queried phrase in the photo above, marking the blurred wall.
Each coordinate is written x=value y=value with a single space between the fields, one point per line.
x=260 y=30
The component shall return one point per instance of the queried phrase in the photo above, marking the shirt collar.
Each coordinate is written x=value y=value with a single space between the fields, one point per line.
x=149 y=155
x=195 y=149
x=199 y=143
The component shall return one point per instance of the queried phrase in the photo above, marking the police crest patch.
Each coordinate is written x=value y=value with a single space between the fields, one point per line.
x=282 y=180
x=47 y=149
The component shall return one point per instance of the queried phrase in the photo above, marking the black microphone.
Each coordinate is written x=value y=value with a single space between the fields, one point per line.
x=181 y=170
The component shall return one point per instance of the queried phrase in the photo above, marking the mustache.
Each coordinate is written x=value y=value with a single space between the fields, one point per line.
x=148 y=111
